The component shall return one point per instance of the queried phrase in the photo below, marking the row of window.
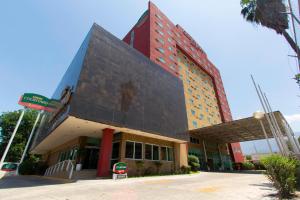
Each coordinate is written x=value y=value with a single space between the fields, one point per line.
x=194 y=140
x=134 y=150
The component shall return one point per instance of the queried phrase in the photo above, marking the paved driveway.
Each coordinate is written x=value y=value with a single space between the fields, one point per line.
x=205 y=185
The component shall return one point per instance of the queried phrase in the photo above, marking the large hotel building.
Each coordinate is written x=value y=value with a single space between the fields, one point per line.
x=138 y=102
x=171 y=47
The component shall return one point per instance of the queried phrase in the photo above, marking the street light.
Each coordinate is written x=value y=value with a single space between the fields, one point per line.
x=259 y=115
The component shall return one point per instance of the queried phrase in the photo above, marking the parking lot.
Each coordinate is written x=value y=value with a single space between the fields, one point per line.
x=198 y=186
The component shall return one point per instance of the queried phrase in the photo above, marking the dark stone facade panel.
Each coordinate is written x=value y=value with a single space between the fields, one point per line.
x=120 y=86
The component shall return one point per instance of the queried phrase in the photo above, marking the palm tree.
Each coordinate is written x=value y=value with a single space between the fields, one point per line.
x=271 y=14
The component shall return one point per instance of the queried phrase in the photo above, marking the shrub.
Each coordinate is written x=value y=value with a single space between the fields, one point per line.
x=32 y=166
x=281 y=172
x=149 y=171
x=139 y=165
x=158 y=165
x=248 y=166
x=259 y=166
x=248 y=157
x=185 y=169
x=193 y=162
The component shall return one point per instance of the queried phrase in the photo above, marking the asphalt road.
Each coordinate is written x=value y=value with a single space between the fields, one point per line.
x=208 y=186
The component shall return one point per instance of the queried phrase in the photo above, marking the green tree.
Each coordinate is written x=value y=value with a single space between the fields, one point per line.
x=271 y=14
x=8 y=122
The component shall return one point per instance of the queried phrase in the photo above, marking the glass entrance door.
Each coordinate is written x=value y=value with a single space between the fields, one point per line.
x=91 y=158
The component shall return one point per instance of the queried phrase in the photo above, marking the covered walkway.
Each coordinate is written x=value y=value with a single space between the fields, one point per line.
x=241 y=130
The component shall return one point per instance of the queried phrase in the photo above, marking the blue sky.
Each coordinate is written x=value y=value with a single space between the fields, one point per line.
x=38 y=40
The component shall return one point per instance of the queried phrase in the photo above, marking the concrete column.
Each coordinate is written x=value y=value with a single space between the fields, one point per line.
x=220 y=155
x=105 y=151
x=205 y=154
x=181 y=154
x=204 y=150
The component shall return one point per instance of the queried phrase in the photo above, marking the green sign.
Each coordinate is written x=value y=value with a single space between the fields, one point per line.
x=35 y=101
x=120 y=168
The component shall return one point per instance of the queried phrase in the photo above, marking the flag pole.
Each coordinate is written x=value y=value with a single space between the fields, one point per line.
x=30 y=136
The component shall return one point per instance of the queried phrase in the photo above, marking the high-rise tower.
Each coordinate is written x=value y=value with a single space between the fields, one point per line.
x=171 y=47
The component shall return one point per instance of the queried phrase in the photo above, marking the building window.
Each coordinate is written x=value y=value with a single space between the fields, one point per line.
x=169 y=39
x=195 y=124
x=171 y=49
x=201 y=116
x=166 y=153
x=133 y=150
x=172 y=67
x=193 y=112
x=158 y=31
x=194 y=140
x=191 y=101
x=161 y=50
x=155 y=152
x=172 y=58
x=151 y=152
x=170 y=154
x=158 y=16
x=159 y=24
x=160 y=41
x=161 y=60
x=115 y=150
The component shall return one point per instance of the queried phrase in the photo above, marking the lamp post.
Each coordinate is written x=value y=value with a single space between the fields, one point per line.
x=259 y=116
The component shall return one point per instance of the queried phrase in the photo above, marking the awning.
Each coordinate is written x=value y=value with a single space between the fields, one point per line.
x=240 y=130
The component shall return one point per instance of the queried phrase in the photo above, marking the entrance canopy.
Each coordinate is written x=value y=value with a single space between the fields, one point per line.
x=241 y=130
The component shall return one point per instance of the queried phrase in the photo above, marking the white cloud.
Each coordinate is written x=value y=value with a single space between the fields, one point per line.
x=292 y=118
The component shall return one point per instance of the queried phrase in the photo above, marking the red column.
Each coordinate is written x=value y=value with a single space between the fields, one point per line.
x=105 y=153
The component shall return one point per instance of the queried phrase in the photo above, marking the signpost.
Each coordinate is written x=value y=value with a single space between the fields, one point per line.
x=120 y=170
x=32 y=101
x=35 y=101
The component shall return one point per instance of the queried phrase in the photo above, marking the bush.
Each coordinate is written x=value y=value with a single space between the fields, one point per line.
x=139 y=165
x=248 y=157
x=281 y=172
x=149 y=171
x=185 y=169
x=259 y=166
x=158 y=165
x=248 y=166
x=194 y=162
x=32 y=166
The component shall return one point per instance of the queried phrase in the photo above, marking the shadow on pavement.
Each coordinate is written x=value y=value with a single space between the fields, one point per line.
x=27 y=181
x=269 y=187
x=239 y=172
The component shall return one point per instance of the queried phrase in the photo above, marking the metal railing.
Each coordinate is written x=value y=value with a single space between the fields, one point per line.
x=66 y=165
